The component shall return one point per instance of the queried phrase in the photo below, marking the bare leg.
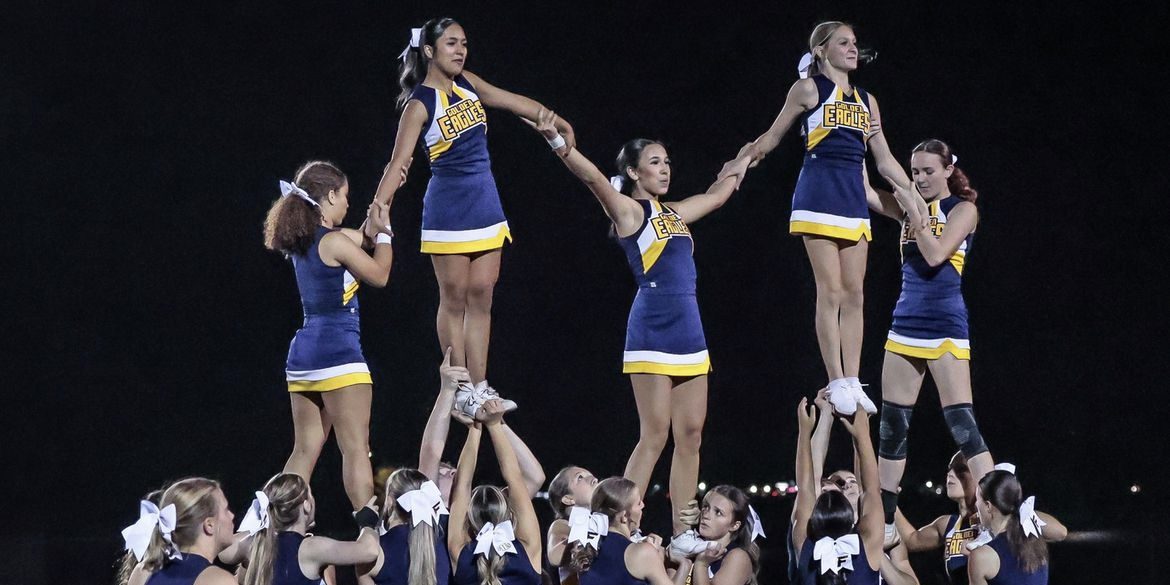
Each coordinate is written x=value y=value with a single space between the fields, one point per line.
x=953 y=378
x=652 y=393
x=477 y=324
x=853 y=259
x=901 y=382
x=310 y=429
x=349 y=408
x=451 y=270
x=688 y=412
x=824 y=256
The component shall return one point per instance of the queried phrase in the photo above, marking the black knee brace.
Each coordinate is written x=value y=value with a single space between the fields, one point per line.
x=961 y=420
x=894 y=428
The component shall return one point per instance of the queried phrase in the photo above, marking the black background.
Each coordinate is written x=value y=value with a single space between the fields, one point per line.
x=146 y=326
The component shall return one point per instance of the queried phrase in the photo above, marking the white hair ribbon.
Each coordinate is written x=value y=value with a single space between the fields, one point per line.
x=415 y=39
x=497 y=536
x=137 y=535
x=586 y=527
x=637 y=536
x=802 y=67
x=836 y=554
x=424 y=504
x=256 y=518
x=287 y=188
x=1029 y=520
x=618 y=182
x=954 y=159
x=757 y=526
x=1008 y=467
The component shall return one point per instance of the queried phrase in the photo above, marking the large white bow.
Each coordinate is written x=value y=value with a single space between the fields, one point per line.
x=1029 y=520
x=256 y=518
x=586 y=527
x=757 y=526
x=1008 y=467
x=805 y=63
x=137 y=535
x=424 y=504
x=618 y=182
x=836 y=554
x=497 y=536
x=415 y=38
x=287 y=188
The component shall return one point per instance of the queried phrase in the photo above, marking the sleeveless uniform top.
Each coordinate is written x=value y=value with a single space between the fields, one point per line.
x=661 y=252
x=959 y=532
x=517 y=569
x=1010 y=572
x=396 y=557
x=930 y=318
x=609 y=568
x=325 y=290
x=183 y=571
x=836 y=129
x=808 y=569
x=455 y=135
x=286 y=567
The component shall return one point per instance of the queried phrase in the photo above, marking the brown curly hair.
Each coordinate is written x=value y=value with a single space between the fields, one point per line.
x=292 y=222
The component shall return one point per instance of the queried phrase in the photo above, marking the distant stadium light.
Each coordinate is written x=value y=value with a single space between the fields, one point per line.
x=702 y=486
x=1135 y=488
x=753 y=489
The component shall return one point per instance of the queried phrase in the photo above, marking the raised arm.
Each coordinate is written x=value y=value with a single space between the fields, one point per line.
x=806 y=484
x=434 y=439
x=339 y=249
x=820 y=437
x=1054 y=530
x=623 y=211
x=881 y=201
x=961 y=222
x=410 y=126
x=929 y=537
x=870 y=525
x=461 y=492
x=802 y=97
x=525 y=107
x=530 y=466
x=887 y=165
x=527 y=526
x=693 y=208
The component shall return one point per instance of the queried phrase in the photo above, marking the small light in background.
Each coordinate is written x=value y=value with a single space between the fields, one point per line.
x=782 y=486
x=753 y=489
x=929 y=484
x=1135 y=489
x=702 y=486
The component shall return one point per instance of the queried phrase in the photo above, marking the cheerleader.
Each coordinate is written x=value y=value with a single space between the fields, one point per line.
x=600 y=546
x=665 y=352
x=178 y=539
x=840 y=122
x=1016 y=555
x=496 y=532
x=929 y=329
x=463 y=224
x=730 y=526
x=832 y=546
x=328 y=381
x=413 y=549
x=571 y=487
x=130 y=559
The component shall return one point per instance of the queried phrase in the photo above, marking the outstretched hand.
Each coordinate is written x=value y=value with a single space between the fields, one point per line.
x=377 y=220
x=806 y=416
x=451 y=375
x=735 y=168
x=858 y=425
x=546 y=125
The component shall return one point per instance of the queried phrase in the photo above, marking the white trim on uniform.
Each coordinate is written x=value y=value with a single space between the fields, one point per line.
x=463 y=235
x=326 y=373
x=659 y=357
x=849 y=223
x=928 y=343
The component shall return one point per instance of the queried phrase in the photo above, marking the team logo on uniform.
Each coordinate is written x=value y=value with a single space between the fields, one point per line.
x=846 y=115
x=936 y=229
x=958 y=538
x=668 y=224
x=460 y=118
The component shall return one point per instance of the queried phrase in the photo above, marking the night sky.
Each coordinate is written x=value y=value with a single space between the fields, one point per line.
x=147 y=326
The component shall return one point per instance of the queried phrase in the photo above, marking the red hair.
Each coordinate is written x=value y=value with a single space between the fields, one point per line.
x=958 y=182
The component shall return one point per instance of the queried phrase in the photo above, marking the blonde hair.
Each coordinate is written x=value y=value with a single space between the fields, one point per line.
x=195 y=501
x=488 y=504
x=820 y=35
x=611 y=497
x=286 y=492
x=422 y=535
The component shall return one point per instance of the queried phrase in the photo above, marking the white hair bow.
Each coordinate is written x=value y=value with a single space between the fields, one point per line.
x=497 y=536
x=137 y=535
x=954 y=159
x=757 y=526
x=415 y=38
x=586 y=527
x=256 y=518
x=618 y=182
x=836 y=554
x=424 y=504
x=287 y=188
x=802 y=67
x=1029 y=520
x=1008 y=467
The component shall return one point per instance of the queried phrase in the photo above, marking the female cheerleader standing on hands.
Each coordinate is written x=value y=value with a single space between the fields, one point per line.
x=463 y=224
x=829 y=210
x=929 y=330
x=666 y=352
x=328 y=381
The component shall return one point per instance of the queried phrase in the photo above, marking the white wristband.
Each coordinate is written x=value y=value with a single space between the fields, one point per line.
x=383 y=238
x=557 y=142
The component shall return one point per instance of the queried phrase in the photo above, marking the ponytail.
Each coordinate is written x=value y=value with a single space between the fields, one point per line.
x=292 y=222
x=422 y=554
x=489 y=569
x=957 y=183
x=1002 y=490
x=262 y=557
x=195 y=501
x=412 y=69
x=611 y=497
